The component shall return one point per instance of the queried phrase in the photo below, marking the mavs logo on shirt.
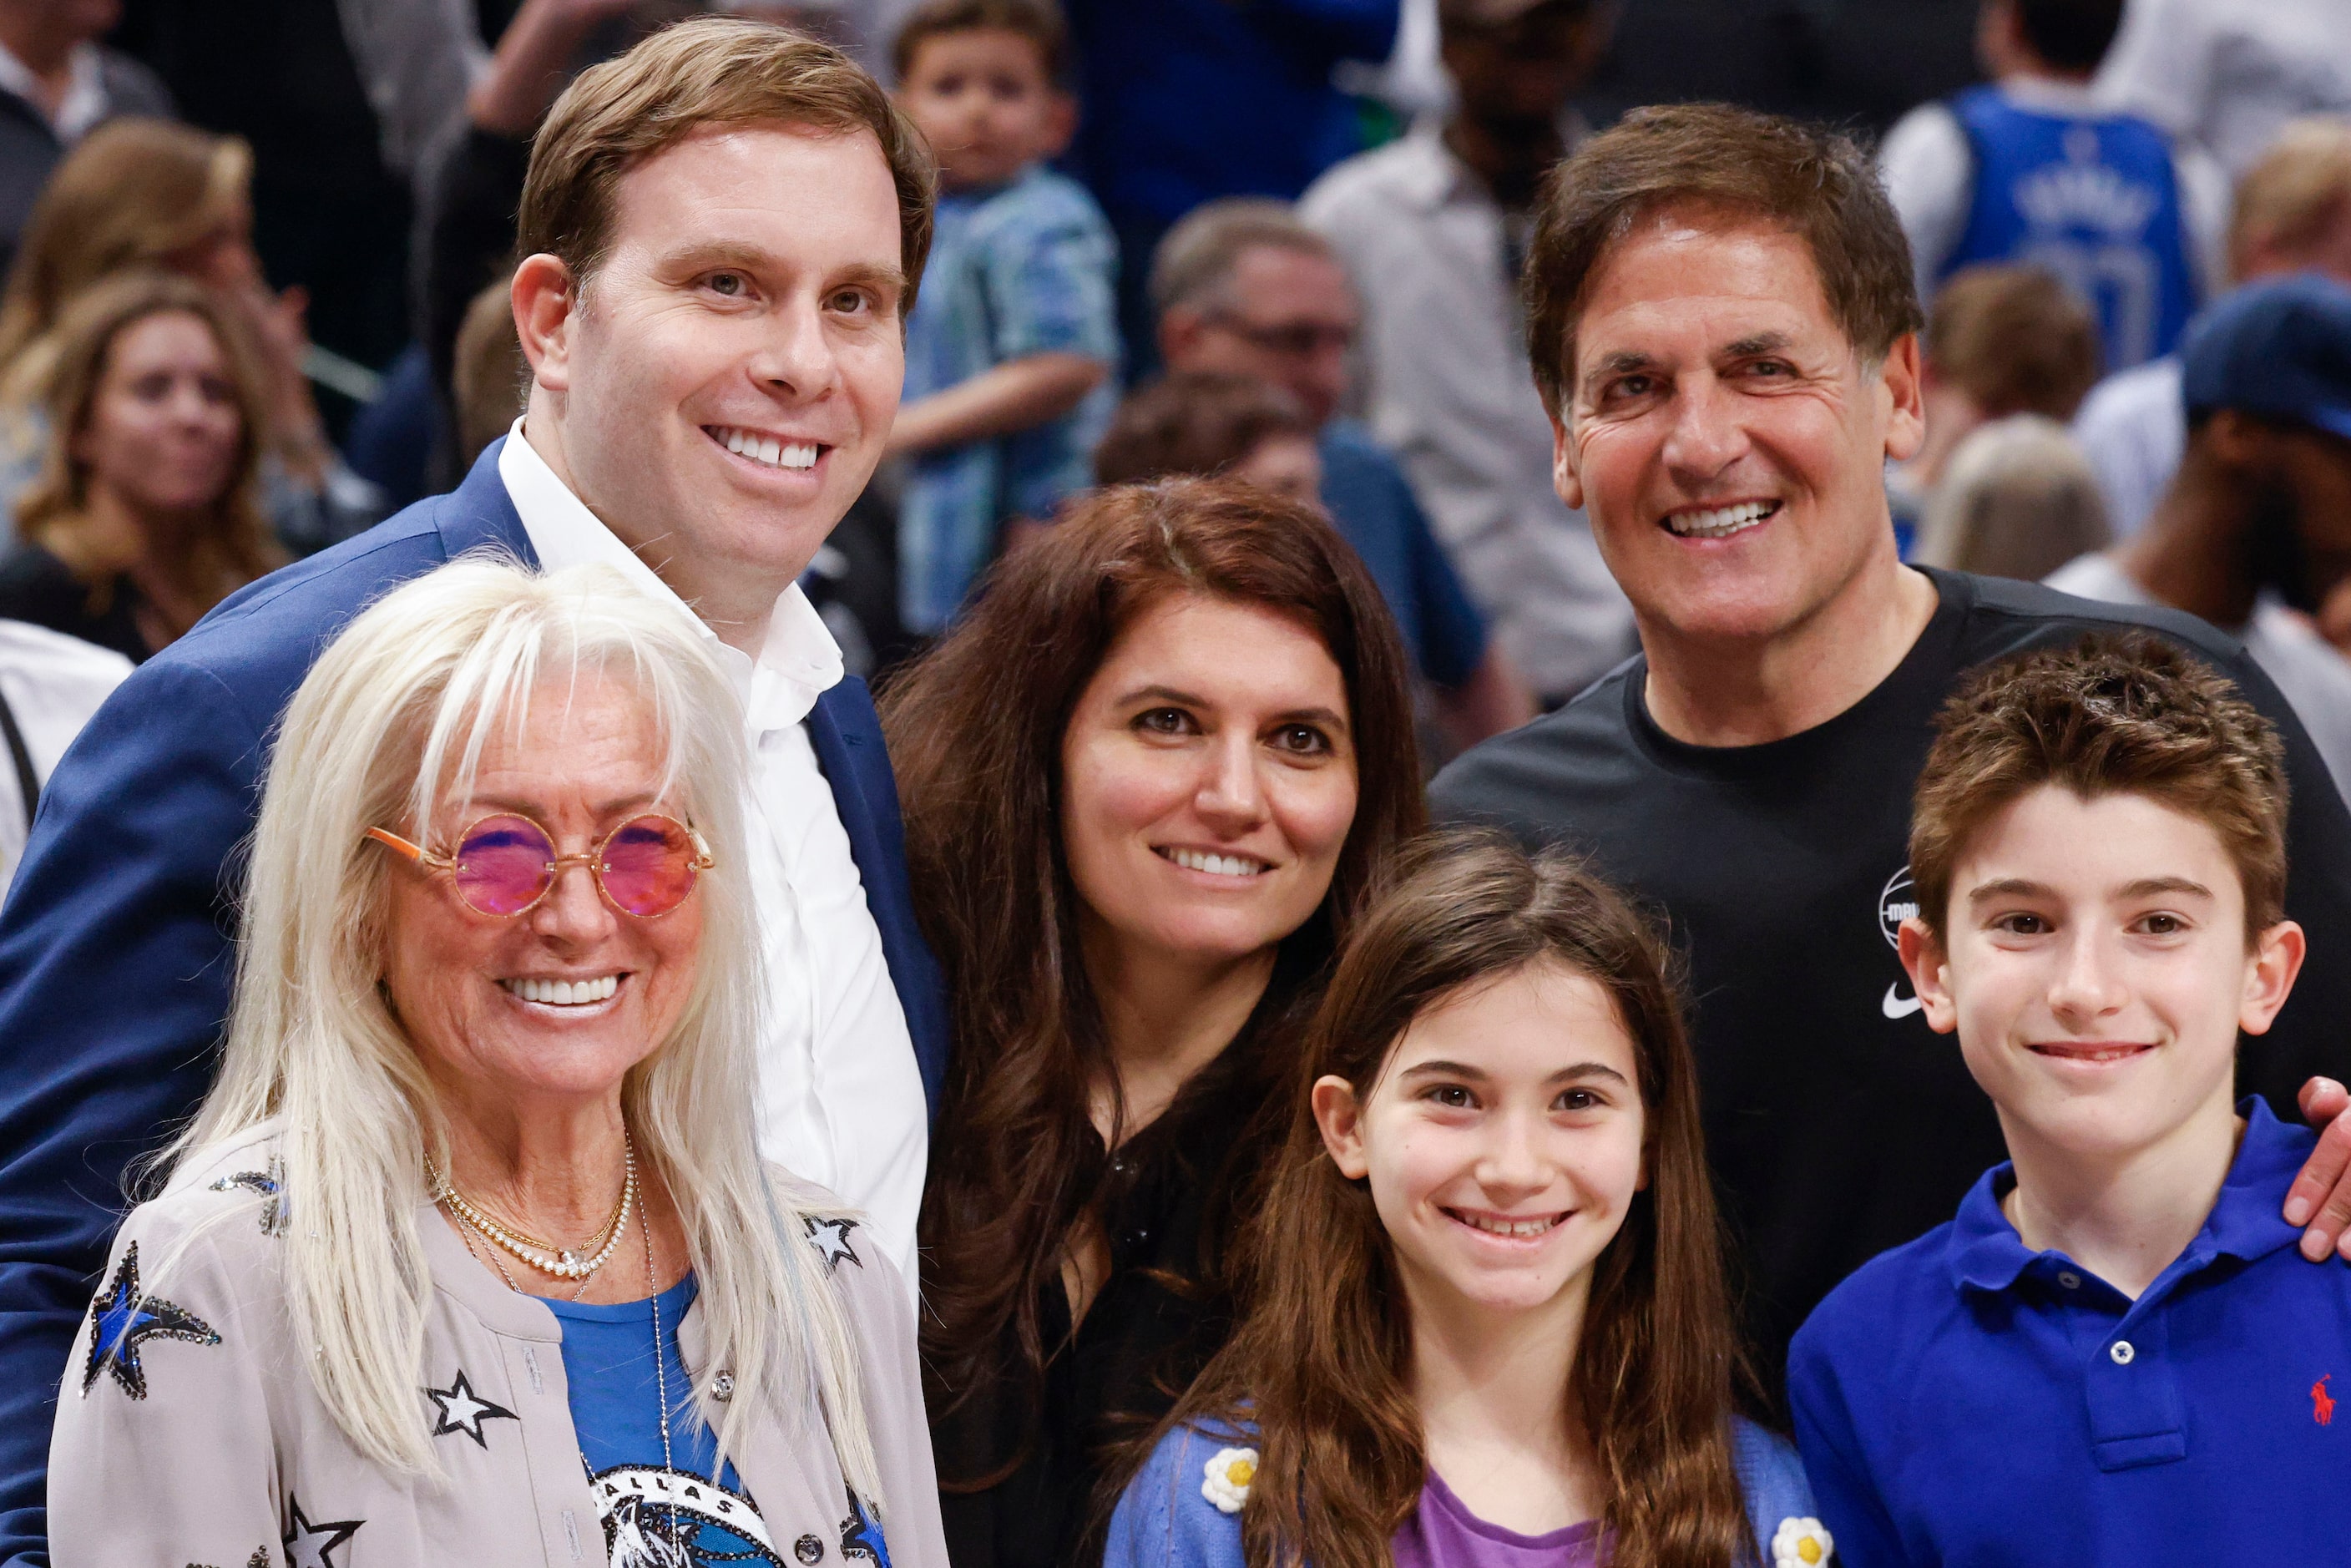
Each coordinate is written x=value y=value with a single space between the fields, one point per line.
x=1897 y=901
x=2096 y=201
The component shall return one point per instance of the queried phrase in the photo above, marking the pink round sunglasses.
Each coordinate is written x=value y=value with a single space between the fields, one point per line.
x=505 y=863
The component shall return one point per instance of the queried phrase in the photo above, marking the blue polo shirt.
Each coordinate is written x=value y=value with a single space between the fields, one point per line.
x=1371 y=504
x=1964 y=1401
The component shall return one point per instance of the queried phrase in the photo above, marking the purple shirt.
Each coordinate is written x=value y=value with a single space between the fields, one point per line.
x=1443 y=1534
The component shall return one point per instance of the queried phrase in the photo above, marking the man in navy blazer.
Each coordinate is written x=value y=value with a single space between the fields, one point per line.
x=725 y=227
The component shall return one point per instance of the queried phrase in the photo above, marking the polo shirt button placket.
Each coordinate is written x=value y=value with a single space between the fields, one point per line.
x=2122 y=1352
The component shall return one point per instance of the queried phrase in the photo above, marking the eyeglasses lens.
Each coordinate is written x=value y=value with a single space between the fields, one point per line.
x=502 y=865
x=648 y=866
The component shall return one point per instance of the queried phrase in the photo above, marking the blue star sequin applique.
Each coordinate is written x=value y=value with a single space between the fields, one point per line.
x=308 y=1545
x=269 y=1185
x=860 y=1536
x=463 y=1412
x=122 y=1318
x=831 y=1238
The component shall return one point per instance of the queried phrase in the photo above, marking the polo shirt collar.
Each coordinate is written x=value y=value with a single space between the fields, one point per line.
x=797 y=662
x=1987 y=1254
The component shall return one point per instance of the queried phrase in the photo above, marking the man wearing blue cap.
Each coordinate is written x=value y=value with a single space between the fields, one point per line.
x=2257 y=522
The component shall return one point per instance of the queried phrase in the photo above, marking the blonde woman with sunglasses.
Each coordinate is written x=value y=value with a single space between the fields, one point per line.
x=470 y=1255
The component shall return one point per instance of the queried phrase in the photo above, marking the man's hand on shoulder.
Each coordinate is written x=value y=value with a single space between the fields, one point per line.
x=2320 y=1199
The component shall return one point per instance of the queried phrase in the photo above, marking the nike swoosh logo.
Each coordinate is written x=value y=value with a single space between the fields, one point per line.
x=1898 y=1006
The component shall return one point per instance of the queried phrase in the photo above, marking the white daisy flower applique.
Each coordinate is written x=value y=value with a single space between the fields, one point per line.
x=1230 y=1472
x=1801 y=1544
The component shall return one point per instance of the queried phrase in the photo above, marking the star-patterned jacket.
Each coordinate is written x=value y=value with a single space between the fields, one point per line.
x=189 y=1432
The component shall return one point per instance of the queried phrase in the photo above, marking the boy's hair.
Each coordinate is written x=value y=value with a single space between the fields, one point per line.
x=1815 y=184
x=2015 y=339
x=1318 y=1362
x=1196 y=422
x=2070 y=35
x=1038 y=21
x=707 y=71
x=2121 y=712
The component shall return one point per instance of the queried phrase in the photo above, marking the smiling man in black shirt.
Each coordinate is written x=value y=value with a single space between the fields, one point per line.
x=1723 y=324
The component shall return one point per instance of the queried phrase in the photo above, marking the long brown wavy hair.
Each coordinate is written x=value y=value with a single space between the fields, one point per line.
x=1320 y=1363
x=976 y=732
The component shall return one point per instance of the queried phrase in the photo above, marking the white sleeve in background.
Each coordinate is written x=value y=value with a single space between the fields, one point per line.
x=52 y=684
x=2205 y=196
x=1929 y=173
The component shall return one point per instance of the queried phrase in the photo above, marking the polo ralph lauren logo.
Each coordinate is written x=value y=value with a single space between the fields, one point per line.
x=2322 y=1404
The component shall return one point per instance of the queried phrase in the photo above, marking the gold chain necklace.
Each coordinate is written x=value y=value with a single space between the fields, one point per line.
x=561 y=1262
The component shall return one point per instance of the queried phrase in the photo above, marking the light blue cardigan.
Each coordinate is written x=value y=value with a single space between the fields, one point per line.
x=1164 y=1520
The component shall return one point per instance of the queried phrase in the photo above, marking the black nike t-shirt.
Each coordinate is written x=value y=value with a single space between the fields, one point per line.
x=1839 y=1124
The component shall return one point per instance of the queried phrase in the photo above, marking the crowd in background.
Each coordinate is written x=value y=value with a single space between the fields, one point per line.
x=262 y=293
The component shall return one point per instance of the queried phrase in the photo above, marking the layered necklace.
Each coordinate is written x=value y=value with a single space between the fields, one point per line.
x=559 y=1262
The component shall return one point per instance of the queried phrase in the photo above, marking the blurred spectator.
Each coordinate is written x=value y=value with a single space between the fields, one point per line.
x=2257 y=524
x=2228 y=74
x=142 y=193
x=2017 y=499
x=56 y=85
x=2000 y=341
x=1245 y=289
x=1433 y=229
x=2032 y=169
x=1201 y=423
x=1013 y=342
x=1194 y=423
x=1188 y=100
x=50 y=685
x=145 y=514
x=491 y=374
x=2292 y=211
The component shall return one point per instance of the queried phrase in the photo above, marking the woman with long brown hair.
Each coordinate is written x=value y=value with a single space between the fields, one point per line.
x=145 y=514
x=1148 y=782
x=1487 y=1323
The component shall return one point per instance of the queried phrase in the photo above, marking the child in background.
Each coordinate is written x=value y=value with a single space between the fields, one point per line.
x=1489 y=1327
x=1013 y=342
x=2114 y=1355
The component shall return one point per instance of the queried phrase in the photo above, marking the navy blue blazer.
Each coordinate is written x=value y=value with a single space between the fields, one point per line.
x=115 y=941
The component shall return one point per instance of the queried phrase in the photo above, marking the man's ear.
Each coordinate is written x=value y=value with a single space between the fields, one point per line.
x=1563 y=475
x=1061 y=124
x=1930 y=965
x=2269 y=969
x=1906 y=419
x=1341 y=1118
x=544 y=305
x=2238 y=441
x=1180 y=327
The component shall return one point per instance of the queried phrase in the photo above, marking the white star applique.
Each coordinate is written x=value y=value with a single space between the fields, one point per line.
x=831 y=1238
x=308 y=1544
x=462 y=1412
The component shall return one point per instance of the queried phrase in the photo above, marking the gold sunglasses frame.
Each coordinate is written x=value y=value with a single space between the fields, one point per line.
x=594 y=858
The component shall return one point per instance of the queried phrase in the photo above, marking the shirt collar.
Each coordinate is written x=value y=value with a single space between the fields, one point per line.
x=85 y=101
x=797 y=662
x=2047 y=95
x=1987 y=1254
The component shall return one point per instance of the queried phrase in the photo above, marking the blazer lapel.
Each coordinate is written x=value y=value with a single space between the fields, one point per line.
x=847 y=734
x=480 y=514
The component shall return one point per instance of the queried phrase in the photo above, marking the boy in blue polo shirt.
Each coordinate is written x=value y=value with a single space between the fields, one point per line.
x=2115 y=1354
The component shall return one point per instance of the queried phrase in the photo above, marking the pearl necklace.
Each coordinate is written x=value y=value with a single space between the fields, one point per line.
x=561 y=1262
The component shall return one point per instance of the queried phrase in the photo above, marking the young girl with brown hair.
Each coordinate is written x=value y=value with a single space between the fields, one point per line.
x=1487 y=1323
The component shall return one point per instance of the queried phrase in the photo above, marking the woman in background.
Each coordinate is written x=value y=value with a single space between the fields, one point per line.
x=143 y=515
x=1148 y=781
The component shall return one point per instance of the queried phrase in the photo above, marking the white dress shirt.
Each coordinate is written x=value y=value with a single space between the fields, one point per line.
x=1451 y=394
x=1930 y=177
x=85 y=102
x=2133 y=428
x=52 y=684
x=2228 y=73
x=840 y=1098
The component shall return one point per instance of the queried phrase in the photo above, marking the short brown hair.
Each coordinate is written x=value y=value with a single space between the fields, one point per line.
x=1196 y=258
x=1038 y=21
x=2015 y=339
x=1813 y=183
x=2121 y=712
x=707 y=71
x=2293 y=197
x=1196 y=423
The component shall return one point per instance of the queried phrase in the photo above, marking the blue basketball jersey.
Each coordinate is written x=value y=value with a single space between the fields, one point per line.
x=2096 y=201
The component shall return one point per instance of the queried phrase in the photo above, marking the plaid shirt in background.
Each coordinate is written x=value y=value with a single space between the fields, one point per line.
x=1028 y=267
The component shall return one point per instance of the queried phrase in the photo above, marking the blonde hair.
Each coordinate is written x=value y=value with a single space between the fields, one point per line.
x=2298 y=190
x=133 y=192
x=54 y=511
x=389 y=724
x=2018 y=499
